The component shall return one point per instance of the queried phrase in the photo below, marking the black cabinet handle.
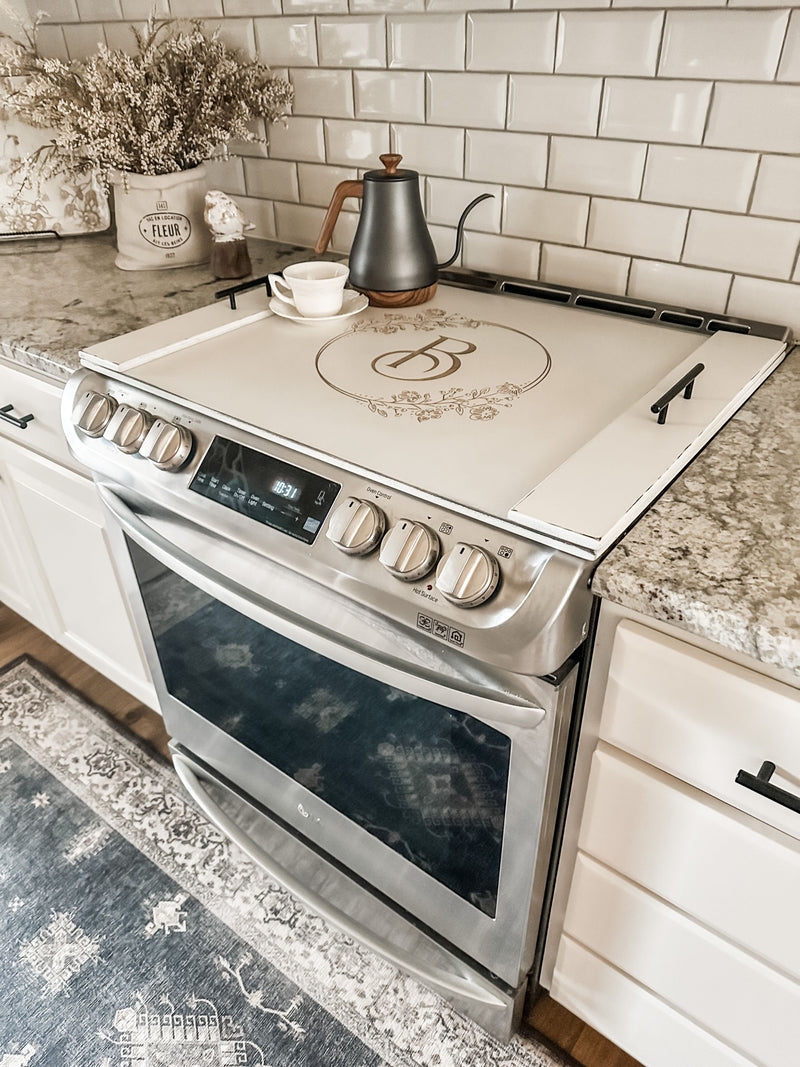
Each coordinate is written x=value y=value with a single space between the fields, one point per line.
x=760 y=783
x=685 y=385
x=17 y=420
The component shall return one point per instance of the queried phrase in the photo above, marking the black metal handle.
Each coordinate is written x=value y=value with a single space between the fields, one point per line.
x=17 y=420
x=685 y=385
x=231 y=293
x=760 y=783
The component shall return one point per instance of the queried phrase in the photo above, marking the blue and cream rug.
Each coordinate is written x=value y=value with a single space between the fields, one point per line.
x=133 y=934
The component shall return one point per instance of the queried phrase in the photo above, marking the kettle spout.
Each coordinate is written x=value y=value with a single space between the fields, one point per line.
x=460 y=230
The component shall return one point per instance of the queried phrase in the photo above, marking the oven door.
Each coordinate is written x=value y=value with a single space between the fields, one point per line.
x=428 y=778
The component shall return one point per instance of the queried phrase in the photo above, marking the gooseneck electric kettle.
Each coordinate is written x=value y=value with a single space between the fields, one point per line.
x=392 y=259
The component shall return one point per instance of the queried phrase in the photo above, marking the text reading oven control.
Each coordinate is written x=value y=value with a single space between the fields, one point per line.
x=356 y=526
x=409 y=550
x=127 y=428
x=166 y=445
x=92 y=412
x=467 y=575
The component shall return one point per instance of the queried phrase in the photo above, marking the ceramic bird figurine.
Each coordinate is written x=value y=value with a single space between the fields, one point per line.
x=224 y=218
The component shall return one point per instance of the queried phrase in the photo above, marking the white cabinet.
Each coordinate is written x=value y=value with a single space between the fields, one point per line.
x=55 y=566
x=676 y=929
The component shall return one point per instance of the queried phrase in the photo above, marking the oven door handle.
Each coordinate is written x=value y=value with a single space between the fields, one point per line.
x=480 y=704
x=467 y=985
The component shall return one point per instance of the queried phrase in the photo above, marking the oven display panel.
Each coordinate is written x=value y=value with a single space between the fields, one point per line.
x=266 y=489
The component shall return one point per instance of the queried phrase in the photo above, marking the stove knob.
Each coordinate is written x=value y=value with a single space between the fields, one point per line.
x=409 y=550
x=467 y=575
x=127 y=428
x=92 y=412
x=356 y=526
x=168 y=446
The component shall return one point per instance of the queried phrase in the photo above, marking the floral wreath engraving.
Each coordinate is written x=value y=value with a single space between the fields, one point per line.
x=480 y=404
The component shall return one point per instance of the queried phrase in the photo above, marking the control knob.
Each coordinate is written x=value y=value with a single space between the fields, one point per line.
x=92 y=412
x=409 y=550
x=356 y=526
x=167 y=445
x=127 y=428
x=467 y=575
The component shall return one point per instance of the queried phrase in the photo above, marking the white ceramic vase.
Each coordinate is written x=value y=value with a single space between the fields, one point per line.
x=160 y=219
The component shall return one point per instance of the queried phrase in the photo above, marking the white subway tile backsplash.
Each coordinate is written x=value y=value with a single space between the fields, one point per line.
x=54 y=10
x=554 y=104
x=395 y=94
x=637 y=229
x=298 y=224
x=271 y=179
x=729 y=44
x=670 y=283
x=82 y=39
x=426 y=42
x=141 y=9
x=119 y=36
x=194 y=9
x=507 y=158
x=314 y=7
x=766 y=301
x=301 y=139
x=352 y=42
x=699 y=177
x=763 y=117
x=227 y=174
x=99 y=10
x=51 y=42
x=789 y=70
x=356 y=144
x=509 y=256
x=545 y=216
x=432 y=150
x=262 y=215
x=650 y=110
x=363 y=7
x=446 y=199
x=287 y=42
x=777 y=192
x=602 y=168
x=245 y=8
x=608 y=42
x=584 y=268
x=511 y=41
x=761 y=247
x=475 y=100
x=467 y=5
x=324 y=93
x=317 y=183
x=238 y=34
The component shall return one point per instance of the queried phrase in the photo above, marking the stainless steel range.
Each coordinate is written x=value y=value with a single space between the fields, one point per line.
x=359 y=553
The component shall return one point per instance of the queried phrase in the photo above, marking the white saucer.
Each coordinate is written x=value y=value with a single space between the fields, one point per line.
x=352 y=303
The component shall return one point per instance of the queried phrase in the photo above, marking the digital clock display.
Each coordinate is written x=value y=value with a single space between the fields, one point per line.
x=265 y=489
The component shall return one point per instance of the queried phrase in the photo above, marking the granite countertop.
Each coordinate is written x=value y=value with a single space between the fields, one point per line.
x=716 y=556
x=57 y=302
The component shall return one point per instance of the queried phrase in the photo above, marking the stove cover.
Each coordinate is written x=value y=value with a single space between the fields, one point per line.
x=516 y=409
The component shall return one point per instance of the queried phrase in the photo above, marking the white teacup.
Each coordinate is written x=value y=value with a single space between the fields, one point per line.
x=315 y=287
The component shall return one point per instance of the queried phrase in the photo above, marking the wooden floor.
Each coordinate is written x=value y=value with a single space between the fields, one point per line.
x=17 y=638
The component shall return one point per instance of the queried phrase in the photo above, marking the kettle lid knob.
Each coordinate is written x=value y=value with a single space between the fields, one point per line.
x=391 y=162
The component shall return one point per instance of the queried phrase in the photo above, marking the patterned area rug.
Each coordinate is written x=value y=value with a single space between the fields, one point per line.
x=133 y=934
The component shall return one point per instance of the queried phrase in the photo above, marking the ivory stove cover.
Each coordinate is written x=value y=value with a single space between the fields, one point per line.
x=528 y=412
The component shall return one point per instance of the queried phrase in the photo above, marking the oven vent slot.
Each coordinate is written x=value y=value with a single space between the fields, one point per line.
x=541 y=292
x=719 y=325
x=681 y=318
x=619 y=307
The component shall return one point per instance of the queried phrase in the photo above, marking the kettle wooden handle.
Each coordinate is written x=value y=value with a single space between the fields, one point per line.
x=340 y=194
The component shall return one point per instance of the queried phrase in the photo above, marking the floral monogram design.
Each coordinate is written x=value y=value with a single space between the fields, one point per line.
x=479 y=404
x=429 y=319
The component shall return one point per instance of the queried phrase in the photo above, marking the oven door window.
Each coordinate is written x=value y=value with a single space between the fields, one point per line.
x=429 y=782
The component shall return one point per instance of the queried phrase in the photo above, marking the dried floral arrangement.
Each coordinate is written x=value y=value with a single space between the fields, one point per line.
x=180 y=99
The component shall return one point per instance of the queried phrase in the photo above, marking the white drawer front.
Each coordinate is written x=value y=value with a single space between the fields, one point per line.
x=738 y=999
x=725 y=869
x=703 y=719
x=30 y=395
x=641 y=1024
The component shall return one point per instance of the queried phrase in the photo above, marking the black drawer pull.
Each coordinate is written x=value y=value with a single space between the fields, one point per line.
x=685 y=385
x=760 y=783
x=16 y=420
